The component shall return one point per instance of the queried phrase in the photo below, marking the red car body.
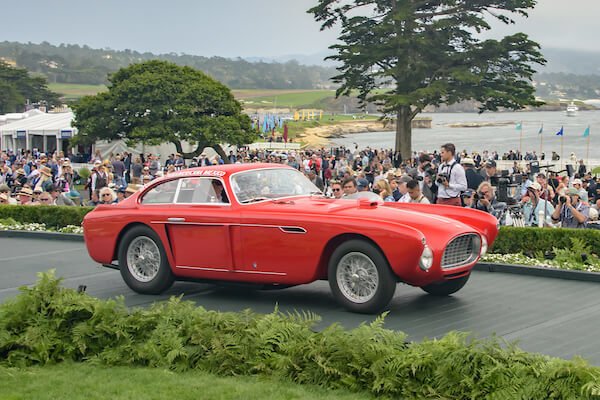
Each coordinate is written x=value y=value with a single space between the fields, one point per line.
x=284 y=240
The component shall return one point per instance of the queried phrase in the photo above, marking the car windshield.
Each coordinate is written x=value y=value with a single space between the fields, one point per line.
x=266 y=184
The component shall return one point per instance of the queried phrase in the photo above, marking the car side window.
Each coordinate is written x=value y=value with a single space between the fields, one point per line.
x=163 y=193
x=200 y=191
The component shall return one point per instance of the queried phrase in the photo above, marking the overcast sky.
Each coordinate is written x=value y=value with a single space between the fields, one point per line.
x=245 y=28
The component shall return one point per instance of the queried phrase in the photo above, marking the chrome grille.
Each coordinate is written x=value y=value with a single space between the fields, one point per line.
x=461 y=250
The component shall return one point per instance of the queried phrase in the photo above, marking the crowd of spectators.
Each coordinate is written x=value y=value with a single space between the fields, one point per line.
x=521 y=194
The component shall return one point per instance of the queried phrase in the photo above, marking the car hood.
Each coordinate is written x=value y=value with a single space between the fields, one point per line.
x=365 y=211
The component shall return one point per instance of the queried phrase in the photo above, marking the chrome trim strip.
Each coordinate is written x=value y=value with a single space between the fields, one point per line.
x=285 y=229
x=231 y=270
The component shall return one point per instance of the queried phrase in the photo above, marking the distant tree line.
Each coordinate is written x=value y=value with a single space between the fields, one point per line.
x=17 y=88
x=81 y=64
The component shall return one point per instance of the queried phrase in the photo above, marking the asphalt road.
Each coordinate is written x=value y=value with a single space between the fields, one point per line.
x=551 y=316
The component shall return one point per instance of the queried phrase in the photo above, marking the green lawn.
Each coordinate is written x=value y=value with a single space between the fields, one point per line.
x=74 y=91
x=288 y=100
x=87 y=382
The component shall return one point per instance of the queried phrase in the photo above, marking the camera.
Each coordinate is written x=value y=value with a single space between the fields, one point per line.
x=441 y=178
x=562 y=199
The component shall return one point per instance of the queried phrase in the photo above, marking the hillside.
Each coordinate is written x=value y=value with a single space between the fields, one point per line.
x=84 y=65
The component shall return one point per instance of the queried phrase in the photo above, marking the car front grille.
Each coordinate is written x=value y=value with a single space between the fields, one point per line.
x=461 y=250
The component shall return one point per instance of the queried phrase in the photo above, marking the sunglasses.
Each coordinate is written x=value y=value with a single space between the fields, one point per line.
x=44 y=199
x=336 y=190
x=106 y=194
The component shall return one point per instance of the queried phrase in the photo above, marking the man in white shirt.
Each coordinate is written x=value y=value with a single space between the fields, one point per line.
x=451 y=180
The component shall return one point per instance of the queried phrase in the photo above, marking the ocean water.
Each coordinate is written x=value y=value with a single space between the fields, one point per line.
x=499 y=138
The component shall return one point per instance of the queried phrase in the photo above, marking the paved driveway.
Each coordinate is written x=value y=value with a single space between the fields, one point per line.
x=551 y=316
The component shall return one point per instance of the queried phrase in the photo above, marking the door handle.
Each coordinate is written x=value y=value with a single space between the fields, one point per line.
x=176 y=219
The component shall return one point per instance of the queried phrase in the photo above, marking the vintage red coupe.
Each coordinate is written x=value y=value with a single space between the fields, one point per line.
x=267 y=224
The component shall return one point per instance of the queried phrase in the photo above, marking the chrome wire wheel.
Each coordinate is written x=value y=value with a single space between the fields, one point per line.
x=357 y=277
x=143 y=259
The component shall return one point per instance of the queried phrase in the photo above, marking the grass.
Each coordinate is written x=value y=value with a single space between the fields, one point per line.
x=87 y=382
x=284 y=99
x=73 y=91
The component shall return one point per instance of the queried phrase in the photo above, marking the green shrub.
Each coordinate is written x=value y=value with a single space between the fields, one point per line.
x=53 y=216
x=84 y=173
x=47 y=324
x=529 y=240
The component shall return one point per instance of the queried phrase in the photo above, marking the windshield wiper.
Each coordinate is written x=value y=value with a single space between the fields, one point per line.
x=254 y=199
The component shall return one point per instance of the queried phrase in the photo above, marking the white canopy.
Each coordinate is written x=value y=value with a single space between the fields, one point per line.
x=47 y=124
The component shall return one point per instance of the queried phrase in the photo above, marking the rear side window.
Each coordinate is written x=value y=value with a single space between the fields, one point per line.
x=161 y=194
x=199 y=191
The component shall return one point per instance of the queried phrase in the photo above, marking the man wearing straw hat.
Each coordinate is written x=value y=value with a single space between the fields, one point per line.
x=24 y=196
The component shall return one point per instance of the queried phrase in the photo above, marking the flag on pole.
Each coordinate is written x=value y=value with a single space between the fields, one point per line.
x=586 y=133
x=285 y=133
x=561 y=132
x=519 y=126
x=541 y=129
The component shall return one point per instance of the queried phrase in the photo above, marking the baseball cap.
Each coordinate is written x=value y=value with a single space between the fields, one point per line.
x=4 y=188
x=467 y=161
x=362 y=183
x=572 y=192
x=490 y=164
x=577 y=182
x=535 y=186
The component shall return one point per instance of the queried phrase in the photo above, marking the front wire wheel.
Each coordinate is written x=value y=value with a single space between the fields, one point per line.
x=360 y=277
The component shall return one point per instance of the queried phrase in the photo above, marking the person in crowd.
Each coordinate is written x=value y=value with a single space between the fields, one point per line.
x=336 y=189
x=547 y=191
x=220 y=193
x=36 y=193
x=5 y=190
x=107 y=196
x=563 y=186
x=127 y=163
x=571 y=212
x=59 y=197
x=473 y=178
x=383 y=189
x=136 y=171
x=146 y=176
x=45 y=199
x=25 y=196
x=4 y=199
x=414 y=193
x=489 y=170
x=118 y=168
x=451 y=177
x=94 y=199
x=120 y=192
x=582 y=169
x=583 y=194
x=533 y=205
x=316 y=180
x=129 y=190
x=99 y=177
x=180 y=163
x=486 y=200
x=349 y=185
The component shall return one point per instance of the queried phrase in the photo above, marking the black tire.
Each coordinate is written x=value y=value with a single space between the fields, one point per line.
x=158 y=280
x=446 y=288
x=380 y=296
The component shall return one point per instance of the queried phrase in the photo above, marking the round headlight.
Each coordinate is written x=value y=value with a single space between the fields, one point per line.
x=484 y=246
x=426 y=260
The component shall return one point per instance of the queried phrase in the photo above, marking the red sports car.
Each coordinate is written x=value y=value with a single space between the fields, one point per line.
x=267 y=224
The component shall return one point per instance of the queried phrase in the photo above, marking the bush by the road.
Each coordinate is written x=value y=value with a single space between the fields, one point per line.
x=512 y=240
x=55 y=217
x=47 y=324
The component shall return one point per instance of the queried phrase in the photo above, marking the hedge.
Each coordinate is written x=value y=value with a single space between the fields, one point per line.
x=53 y=216
x=47 y=324
x=512 y=240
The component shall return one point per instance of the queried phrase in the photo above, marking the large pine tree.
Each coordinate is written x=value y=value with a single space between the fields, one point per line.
x=408 y=54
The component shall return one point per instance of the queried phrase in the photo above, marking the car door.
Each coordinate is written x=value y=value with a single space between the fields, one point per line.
x=198 y=227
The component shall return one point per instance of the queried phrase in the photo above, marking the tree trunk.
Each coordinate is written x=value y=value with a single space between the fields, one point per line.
x=221 y=152
x=195 y=153
x=404 y=119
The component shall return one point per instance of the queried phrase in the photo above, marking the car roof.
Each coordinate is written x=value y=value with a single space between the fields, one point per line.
x=223 y=170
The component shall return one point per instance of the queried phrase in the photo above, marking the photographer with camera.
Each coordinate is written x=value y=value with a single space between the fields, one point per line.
x=571 y=211
x=536 y=211
x=451 y=179
x=485 y=200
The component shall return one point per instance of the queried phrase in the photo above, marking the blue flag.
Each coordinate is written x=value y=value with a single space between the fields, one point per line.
x=586 y=133
x=541 y=129
x=519 y=126
x=561 y=132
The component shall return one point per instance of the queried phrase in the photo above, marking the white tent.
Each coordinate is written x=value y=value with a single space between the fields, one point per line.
x=44 y=131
